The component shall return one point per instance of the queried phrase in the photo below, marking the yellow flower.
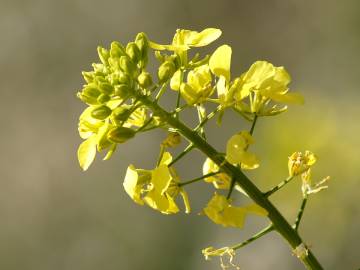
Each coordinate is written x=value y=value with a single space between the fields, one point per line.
x=263 y=82
x=220 y=180
x=157 y=188
x=236 y=151
x=220 y=211
x=299 y=162
x=185 y=39
x=198 y=85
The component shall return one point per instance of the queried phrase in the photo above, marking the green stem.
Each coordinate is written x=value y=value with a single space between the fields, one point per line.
x=161 y=91
x=254 y=237
x=253 y=124
x=301 y=212
x=162 y=151
x=279 y=186
x=279 y=222
x=207 y=118
x=197 y=179
x=183 y=153
x=179 y=94
x=201 y=118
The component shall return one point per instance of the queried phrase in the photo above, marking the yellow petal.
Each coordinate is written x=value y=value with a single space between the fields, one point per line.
x=256 y=209
x=86 y=152
x=205 y=37
x=288 y=98
x=220 y=61
x=175 y=80
x=162 y=203
x=132 y=186
x=161 y=178
x=166 y=158
x=174 y=47
x=221 y=180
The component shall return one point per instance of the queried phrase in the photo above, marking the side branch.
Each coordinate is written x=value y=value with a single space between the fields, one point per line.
x=279 y=222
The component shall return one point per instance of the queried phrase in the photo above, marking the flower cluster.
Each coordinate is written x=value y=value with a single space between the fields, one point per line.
x=123 y=99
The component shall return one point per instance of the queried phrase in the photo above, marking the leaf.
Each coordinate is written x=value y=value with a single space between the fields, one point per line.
x=86 y=152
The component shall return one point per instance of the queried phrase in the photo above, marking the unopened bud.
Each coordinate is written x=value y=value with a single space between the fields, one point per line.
x=142 y=43
x=133 y=52
x=90 y=94
x=103 y=55
x=127 y=65
x=116 y=49
x=166 y=70
x=101 y=112
x=172 y=140
x=120 y=134
x=114 y=63
x=144 y=79
x=103 y=98
x=122 y=90
x=88 y=76
x=106 y=88
x=124 y=78
x=122 y=113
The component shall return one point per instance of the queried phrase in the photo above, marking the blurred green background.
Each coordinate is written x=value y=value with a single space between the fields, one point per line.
x=53 y=216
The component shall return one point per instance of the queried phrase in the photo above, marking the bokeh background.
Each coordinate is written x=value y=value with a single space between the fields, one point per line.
x=54 y=216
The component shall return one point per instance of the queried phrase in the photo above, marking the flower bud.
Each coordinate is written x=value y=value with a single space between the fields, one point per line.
x=88 y=76
x=101 y=112
x=172 y=140
x=114 y=63
x=127 y=65
x=122 y=90
x=99 y=68
x=142 y=43
x=116 y=49
x=90 y=94
x=166 y=70
x=103 y=98
x=103 y=55
x=120 y=134
x=106 y=88
x=133 y=52
x=124 y=78
x=144 y=79
x=121 y=113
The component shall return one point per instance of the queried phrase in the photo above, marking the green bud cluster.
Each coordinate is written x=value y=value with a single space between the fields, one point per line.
x=109 y=92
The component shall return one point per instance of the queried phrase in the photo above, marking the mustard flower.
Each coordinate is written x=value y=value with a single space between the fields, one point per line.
x=157 y=188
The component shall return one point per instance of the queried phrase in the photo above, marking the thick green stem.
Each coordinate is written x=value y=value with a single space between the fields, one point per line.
x=279 y=222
